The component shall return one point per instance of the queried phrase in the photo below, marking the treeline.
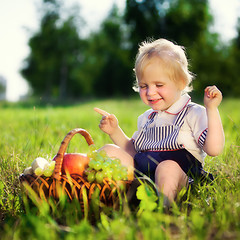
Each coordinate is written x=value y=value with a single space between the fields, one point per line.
x=64 y=64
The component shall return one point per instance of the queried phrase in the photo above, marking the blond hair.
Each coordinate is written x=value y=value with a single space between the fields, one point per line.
x=173 y=60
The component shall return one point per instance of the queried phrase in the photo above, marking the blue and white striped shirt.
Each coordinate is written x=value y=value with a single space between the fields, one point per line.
x=183 y=125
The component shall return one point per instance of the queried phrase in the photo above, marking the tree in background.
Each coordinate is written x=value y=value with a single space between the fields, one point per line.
x=56 y=50
x=185 y=22
x=106 y=67
x=62 y=64
x=112 y=65
x=146 y=19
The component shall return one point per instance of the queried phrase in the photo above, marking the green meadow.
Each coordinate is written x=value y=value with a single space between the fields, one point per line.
x=30 y=131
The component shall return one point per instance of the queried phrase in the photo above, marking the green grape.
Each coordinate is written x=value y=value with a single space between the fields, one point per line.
x=97 y=166
x=109 y=173
x=92 y=148
x=101 y=166
x=52 y=165
x=115 y=165
x=99 y=177
x=105 y=165
x=117 y=160
x=105 y=174
x=99 y=159
x=117 y=175
x=109 y=160
x=38 y=171
x=123 y=168
x=92 y=163
x=92 y=154
x=103 y=153
x=109 y=163
x=47 y=173
x=91 y=176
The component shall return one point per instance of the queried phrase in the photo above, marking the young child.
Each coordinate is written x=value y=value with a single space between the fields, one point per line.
x=175 y=135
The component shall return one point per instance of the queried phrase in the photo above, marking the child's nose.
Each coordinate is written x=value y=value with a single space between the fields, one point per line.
x=151 y=91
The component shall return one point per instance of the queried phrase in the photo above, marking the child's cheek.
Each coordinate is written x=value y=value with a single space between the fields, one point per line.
x=142 y=94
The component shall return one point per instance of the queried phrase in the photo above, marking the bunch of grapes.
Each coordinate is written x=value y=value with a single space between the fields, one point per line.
x=101 y=166
x=47 y=171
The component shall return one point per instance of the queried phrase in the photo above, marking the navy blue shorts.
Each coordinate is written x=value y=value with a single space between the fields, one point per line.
x=146 y=163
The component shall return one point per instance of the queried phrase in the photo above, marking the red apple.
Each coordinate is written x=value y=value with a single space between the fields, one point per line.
x=74 y=163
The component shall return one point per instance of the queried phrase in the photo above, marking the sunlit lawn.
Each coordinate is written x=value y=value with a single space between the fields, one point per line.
x=206 y=212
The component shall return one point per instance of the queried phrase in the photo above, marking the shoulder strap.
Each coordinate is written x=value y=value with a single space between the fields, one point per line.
x=180 y=118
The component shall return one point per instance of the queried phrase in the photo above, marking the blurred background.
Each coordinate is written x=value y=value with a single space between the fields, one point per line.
x=77 y=49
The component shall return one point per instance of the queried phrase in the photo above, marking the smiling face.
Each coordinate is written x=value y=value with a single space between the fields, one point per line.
x=156 y=88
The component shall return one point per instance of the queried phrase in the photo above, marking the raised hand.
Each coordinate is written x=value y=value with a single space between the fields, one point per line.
x=212 y=97
x=215 y=139
x=108 y=123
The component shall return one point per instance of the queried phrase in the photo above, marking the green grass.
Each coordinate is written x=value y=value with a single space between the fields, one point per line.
x=206 y=212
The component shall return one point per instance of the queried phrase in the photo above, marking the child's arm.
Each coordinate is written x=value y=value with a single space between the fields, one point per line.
x=109 y=125
x=215 y=139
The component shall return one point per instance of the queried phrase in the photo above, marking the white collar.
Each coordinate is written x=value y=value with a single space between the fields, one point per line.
x=179 y=105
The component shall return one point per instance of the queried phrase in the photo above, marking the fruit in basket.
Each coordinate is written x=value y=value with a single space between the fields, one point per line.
x=74 y=163
x=52 y=165
x=38 y=171
x=40 y=166
x=47 y=172
x=39 y=162
x=101 y=166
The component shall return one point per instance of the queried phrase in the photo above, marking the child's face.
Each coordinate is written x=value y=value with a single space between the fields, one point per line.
x=156 y=89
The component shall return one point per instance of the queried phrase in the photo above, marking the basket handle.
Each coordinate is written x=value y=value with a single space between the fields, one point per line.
x=63 y=147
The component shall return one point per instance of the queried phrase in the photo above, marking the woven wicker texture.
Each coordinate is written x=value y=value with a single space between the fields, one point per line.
x=75 y=185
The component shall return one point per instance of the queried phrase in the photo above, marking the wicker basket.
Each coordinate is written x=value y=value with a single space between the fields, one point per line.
x=75 y=186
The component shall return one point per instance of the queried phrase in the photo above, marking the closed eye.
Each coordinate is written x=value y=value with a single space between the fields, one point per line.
x=142 y=86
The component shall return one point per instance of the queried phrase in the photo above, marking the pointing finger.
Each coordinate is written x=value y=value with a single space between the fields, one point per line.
x=102 y=112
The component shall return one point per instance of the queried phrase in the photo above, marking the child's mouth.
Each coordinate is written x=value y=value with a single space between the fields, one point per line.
x=154 y=101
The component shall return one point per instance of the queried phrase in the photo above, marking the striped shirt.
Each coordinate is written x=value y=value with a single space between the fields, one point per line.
x=183 y=125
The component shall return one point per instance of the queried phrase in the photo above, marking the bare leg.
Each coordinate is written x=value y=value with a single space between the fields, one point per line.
x=170 y=178
x=114 y=151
